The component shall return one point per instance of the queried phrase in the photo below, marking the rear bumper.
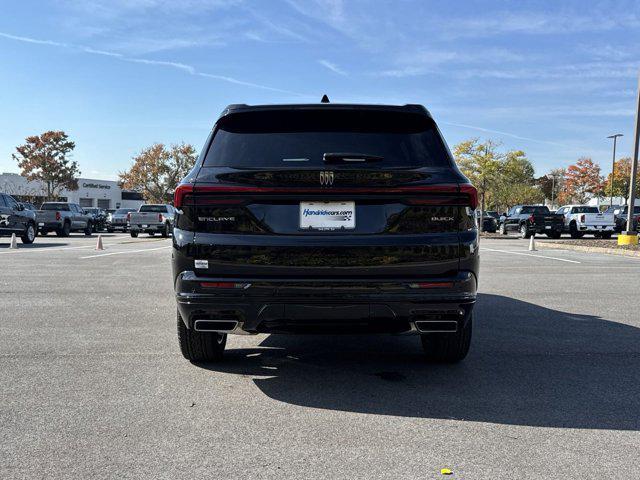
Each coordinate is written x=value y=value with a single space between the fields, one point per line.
x=325 y=306
x=595 y=228
x=544 y=228
x=49 y=225
x=148 y=228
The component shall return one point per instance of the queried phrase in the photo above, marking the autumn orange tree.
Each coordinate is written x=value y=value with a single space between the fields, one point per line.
x=44 y=158
x=582 y=180
x=157 y=170
x=621 y=178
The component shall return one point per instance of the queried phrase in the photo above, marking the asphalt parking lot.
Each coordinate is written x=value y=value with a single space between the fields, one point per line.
x=93 y=384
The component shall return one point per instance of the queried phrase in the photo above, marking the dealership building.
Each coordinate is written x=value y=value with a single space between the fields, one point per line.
x=105 y=194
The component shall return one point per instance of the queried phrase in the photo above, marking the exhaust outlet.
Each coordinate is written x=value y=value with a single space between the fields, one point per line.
x=220 y=326
x=437 y=326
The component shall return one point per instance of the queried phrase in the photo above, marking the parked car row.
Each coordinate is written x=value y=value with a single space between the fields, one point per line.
x=576 y=220
x=63 y=218
x=620 y=213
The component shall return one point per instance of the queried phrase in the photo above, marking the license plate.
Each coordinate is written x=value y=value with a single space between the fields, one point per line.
x=327 y=215
x=548 y=227
x=41 y=224
x=145 y=226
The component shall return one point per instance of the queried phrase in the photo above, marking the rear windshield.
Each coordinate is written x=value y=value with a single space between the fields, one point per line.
x=55 y=206
x=585 y=210
x=153 y=208
x=290 y=139
x=539 y=210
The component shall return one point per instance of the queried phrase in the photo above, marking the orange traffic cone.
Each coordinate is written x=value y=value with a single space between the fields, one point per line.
x=99 y=245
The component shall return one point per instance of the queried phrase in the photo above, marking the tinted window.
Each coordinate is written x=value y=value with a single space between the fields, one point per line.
x=55 y=206
x=10 y=201
x=153 y=208
x=301 y=138
x=536 y=210
x=585 y=210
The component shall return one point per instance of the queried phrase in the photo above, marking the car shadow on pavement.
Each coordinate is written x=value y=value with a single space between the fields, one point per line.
x=528 y=365
x=36 y=245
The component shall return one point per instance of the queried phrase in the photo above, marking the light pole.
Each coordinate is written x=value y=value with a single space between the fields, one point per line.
x=613 y=164
x=630 y=237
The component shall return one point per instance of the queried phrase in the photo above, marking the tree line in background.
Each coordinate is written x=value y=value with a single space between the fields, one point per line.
x=506 y=178
x=155 y=173
x=503 y=178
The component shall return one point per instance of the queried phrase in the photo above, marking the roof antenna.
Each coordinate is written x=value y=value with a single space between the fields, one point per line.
x=325 y=99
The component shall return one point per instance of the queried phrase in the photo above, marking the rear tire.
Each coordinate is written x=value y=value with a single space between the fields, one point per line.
x=65 y=230
x=88 y=229
x=200 y=346
x=448 y=347
x=134 y=234
x=29 y=234
x=573 y=231
x=166 y=231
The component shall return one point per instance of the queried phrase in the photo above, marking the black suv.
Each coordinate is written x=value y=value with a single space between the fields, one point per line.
x=15 y=218
x=325 y=218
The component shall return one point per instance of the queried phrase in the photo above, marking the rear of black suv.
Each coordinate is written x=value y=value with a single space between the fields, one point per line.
x=325 y=219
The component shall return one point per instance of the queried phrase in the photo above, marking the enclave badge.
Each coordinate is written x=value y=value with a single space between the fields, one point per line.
x=326 y=178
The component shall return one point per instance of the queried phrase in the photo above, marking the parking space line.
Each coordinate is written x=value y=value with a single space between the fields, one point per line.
x=125 y=252
x=529 y=255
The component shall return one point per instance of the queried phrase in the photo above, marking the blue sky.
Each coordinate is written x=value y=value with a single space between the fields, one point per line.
x=551 y=78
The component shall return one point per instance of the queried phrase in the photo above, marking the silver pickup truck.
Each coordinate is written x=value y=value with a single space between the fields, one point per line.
x=63 y=218
x=152 y=219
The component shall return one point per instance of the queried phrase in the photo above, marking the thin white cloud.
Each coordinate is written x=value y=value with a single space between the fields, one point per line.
x=33 y=40
x=536 y=23
x=191 y=70
x=505 y=134
x=333 y=67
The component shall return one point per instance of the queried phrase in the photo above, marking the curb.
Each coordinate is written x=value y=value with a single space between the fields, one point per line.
x=582 y=248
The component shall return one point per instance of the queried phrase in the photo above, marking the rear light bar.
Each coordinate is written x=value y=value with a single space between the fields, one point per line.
x=185 y=191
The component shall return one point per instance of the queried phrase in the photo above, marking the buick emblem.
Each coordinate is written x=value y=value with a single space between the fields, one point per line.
x=326 y=178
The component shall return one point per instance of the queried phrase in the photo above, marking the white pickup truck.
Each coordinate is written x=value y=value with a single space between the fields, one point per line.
x=152 y=219
x=581 y=219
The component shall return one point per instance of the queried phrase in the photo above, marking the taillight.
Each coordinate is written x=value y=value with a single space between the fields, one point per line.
x=160 y=218
x=532 y=219
x=464 y=194
x=472 y=193
x=129 y=217
x=58 y=216
x=582 y=218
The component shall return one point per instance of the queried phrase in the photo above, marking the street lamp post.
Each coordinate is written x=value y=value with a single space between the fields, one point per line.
x=630 y=237
x=613 y=164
